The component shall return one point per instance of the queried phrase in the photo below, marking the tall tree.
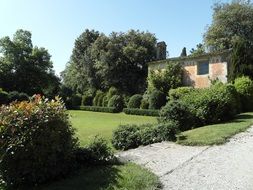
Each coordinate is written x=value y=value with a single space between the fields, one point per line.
x=230 y=20
x=200 y=50
x=183 y=53
x=118 y=60
x=25 y=68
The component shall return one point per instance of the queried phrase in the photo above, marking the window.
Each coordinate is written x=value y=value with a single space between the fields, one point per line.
x=203 y=68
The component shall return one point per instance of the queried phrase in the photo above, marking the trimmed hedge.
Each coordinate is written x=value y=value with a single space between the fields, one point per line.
x=157 y=99
x=117 y=102
x=136 y=111
x=132 y=136
x=135 y=101
x=98 y=109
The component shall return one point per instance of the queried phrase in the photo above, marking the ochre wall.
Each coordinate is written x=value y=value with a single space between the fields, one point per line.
x=217 y=69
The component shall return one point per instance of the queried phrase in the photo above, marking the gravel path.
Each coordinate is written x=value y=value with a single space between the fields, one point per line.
x=225 y=167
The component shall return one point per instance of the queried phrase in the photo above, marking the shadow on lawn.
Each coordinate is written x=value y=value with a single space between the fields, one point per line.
x=95 y=178
x=244 y=116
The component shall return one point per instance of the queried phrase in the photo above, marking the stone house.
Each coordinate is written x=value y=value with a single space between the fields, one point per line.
x=199 y=71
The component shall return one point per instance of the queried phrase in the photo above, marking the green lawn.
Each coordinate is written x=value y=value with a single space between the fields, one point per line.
x=216 y=134
x=89 y=124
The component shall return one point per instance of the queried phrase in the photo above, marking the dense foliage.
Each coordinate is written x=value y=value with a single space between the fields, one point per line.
x=157 y=99
x=175 y=94
x=97 y=152
x=137 y=111
x=164 y=80
x=135 y=101
x=100 y=62
x=99 y=109
x=132 y=136
x=203 y=106
x=244 y=87
x=37 y=142
x=25 y=68
x=117 y=102
x=230 y=20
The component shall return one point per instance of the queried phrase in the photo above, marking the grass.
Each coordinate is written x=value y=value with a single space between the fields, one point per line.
x=216 y=134
x=120 y=177
x=89 y=124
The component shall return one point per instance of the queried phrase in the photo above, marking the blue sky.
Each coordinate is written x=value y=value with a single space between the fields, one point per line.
x=55 y=24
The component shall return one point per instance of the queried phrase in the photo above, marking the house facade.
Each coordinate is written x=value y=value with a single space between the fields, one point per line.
x=199 y=71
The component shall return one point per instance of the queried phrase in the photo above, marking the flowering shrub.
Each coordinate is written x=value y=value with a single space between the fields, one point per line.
x=36 y=141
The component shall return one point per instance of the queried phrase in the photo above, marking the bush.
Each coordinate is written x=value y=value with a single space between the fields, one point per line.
x=144 y=104
x=157 y=99
x=87 y=100
x=16 y=96
x=111 y=92
x=98 y=109
x=178 y=112
x=105 y=101
x=97 y=152
x=175 y=94
x=3 y=97
x=244 y=87
x=201 y=107
x=97 y=99
x=136 y=111
x=76 y=100
x=37 y=142
x=131 y=136
x=126 y=137
x=117 y=102
x=135 y=101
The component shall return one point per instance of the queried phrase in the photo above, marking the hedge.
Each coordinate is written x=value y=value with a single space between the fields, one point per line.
x=136 y=111
x=98 y=109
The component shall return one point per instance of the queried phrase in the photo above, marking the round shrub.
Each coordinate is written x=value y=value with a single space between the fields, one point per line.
x=149 y=134
x=117 y=102
x=111 y=92
x=100 y=99
x=87 y=100
x=37 y=142
x=4 y=96
x=76 y=100
x=244 y=87
x=135 y=101
x=126 y=137
x=97 y=99
x=178 y=112
x=175 y=94
x=95 y=153
x=105 y=101
x=144 y=104
x=157 y=99
x=167 y=131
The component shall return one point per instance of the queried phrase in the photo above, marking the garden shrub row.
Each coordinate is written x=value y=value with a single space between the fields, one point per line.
x=202 y=106
x=136 y=111
x=6 y=98
x=98 y=109
x=132 y=136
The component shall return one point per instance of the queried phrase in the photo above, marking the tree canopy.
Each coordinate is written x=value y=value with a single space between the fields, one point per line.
x=230 y=21
x=25 y=68
x=120 y=60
